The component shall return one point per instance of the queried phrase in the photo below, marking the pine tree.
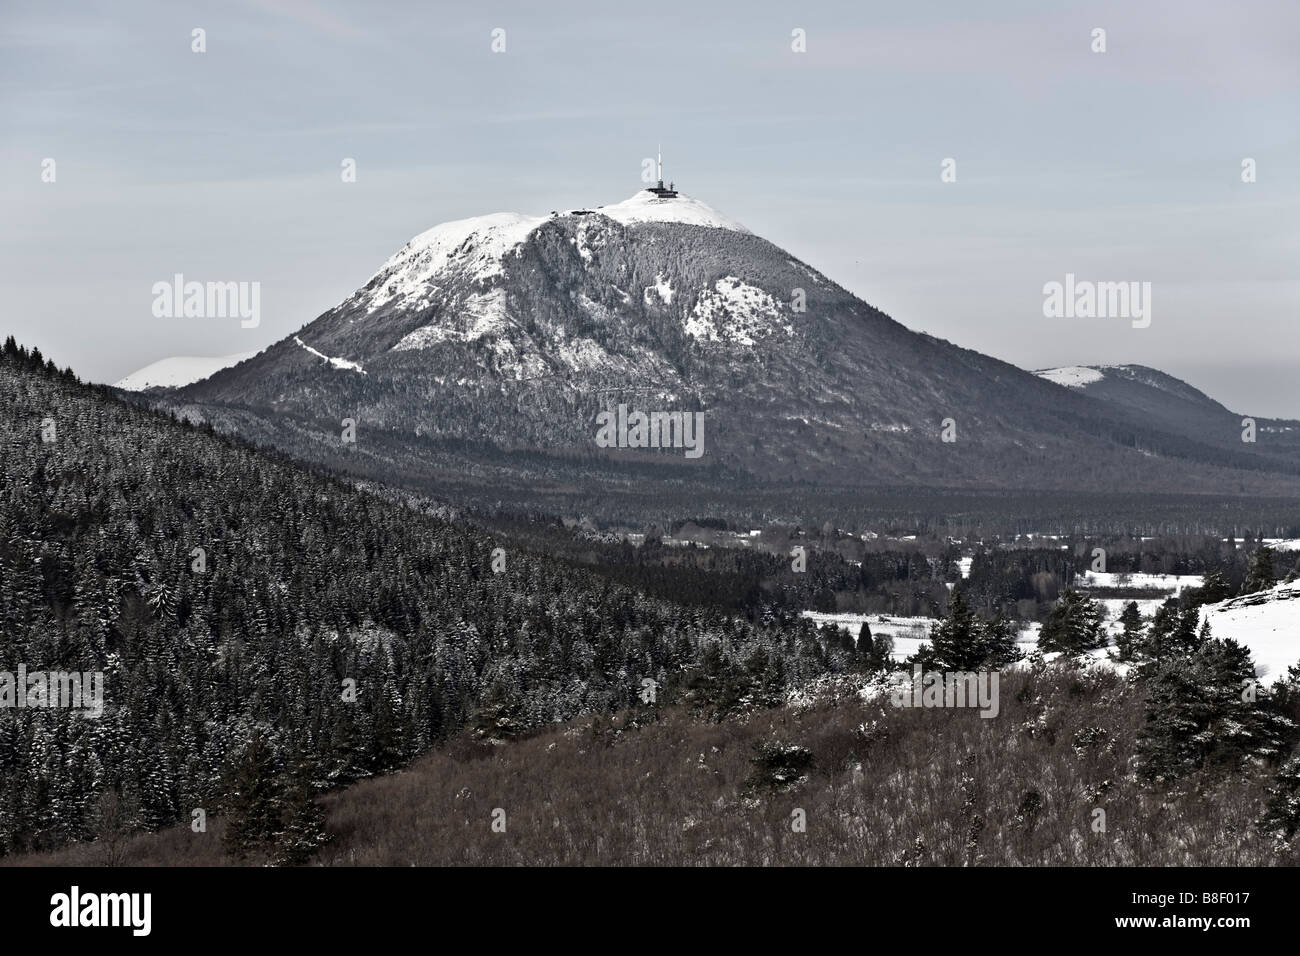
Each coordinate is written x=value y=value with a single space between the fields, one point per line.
x=1175 y=631
x=1074 y=626
x=962 y=642
x=875 y=653
x=1130 y=639
x=999 y=642
x=1282 y=812
x=1259 y=573
x=1203 y=712
x=251 y=810
x=954 y=640
x=1214 y=588
x=1295 y=573
x=300 y=828
x=864 y=638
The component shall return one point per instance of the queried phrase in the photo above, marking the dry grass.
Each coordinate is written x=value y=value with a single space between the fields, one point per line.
x=934 y=787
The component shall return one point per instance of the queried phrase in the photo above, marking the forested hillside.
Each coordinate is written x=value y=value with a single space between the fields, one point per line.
x=232 y=598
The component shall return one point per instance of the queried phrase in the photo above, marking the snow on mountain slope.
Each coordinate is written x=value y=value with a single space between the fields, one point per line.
x=334 y=362
x=1125 y=382
x=645 y=206
x=1267 y=622
x=1071 y=376
x=477 y=246
x=482 y=314
x=735 y=311
x=179 y=370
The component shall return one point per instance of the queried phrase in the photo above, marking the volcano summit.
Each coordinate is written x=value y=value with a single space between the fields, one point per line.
x=496 y=341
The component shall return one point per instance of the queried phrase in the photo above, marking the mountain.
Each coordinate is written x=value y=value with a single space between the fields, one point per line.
x=485 y=349
x=1173 y=405
x=178 y=370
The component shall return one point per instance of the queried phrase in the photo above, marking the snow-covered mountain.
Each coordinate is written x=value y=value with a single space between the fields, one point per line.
x=511 y=333
x=1102 y=379
x=179 y=370
x=1173 y=405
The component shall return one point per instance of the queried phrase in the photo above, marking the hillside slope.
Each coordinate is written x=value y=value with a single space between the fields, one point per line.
x=225 y=596
x=1268 y=622
x=885 y=787
x=1174 y=406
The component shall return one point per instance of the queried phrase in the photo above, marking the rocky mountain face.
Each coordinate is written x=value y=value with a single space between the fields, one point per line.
x=491 y=346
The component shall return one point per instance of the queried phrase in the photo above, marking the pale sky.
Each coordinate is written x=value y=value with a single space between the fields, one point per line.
x=224 y=165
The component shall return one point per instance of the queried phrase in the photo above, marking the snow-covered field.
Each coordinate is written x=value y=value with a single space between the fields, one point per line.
x=1267 y=623
x=1170 y=585
x=908 y=633
x=1283 y=544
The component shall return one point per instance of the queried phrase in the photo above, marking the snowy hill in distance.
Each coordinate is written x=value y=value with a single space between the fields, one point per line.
x=179 y=370
x=1173 y=405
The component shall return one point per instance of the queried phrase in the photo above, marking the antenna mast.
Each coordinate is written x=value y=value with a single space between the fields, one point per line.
x=659 y=189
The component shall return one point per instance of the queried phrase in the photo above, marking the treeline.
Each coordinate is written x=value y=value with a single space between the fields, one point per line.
x=760 y=583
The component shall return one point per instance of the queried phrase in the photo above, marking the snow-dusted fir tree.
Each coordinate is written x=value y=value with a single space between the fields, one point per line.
x=964 y=642
x=1128 y=640
x=1074 y=626
x=1259 y=573
x=1204 y=712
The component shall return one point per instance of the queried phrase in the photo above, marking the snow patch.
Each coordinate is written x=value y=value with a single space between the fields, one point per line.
x=662 y=289
x=1267 y=622
x=334 y=362
x=179 y=370
x=476 y=247
x=645 y=206
x=484 y=313
x=1071 y=376
x=1172 y=585
x=736 y=312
